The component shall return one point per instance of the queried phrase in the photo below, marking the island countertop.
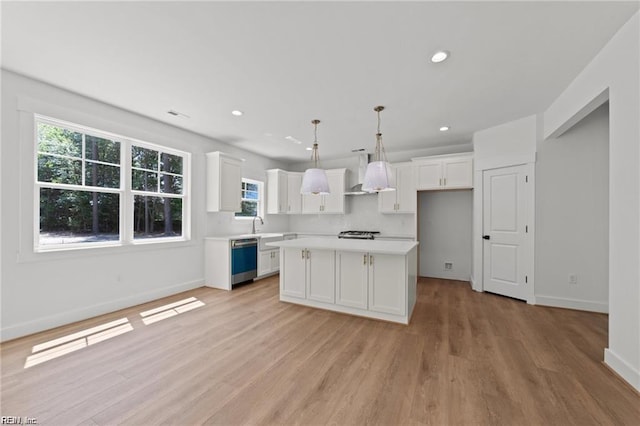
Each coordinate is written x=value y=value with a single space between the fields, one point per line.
x=343 y=244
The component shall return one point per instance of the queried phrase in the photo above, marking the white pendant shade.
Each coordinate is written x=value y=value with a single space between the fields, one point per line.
x=315 y=182
x=378 y=177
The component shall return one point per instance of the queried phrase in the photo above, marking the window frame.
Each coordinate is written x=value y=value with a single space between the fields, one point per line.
x=126 y=194
x=260 y=200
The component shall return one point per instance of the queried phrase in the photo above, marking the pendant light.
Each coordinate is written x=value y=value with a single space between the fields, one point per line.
x=315 y=180
x=379 y=176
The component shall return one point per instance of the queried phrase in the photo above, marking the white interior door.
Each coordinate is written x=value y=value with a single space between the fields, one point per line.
x=504 y=231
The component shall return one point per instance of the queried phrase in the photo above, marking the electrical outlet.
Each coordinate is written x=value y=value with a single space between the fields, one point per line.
x=448 y=266
x=573 y=279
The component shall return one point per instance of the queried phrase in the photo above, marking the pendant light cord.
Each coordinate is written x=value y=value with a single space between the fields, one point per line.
x=380 y=154
x=315 y=156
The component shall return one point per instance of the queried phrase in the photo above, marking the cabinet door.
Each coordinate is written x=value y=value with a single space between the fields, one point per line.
x=406 y=193
x=321 y=275
x=458 y=173
x=277 y=186
x=294 y=182
x=334 y=202
x=351 y=279
x=295 y=273
x=311 y=203
x=275 y=260
x=429 y=175
x=264 y=262
x=387 y=284
x=230 y=185
x=387 y=200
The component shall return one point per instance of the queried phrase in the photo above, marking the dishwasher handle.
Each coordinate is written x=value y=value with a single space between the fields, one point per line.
x=244 y=243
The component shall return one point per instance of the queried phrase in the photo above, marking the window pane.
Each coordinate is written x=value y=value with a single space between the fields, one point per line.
x=157 y=217
x=56 y=140
x=171 y=163
x=59 y=170
x=68 y=216
x=250 y=195
x=252 y=187
x=100 y=149
x=171 y=184
x=102 y=175
x=248 y=208
x=144 y=158
x=144 y=181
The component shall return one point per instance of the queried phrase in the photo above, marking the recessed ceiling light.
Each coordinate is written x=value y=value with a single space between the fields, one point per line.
x=439 y=56
x=237 y=113
x=444 y=128
x=308 y=148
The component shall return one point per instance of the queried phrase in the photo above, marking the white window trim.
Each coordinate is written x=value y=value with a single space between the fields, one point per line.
x=126 y=234
x=261 y=200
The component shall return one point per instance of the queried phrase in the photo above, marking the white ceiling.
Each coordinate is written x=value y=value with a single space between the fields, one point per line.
x=287 y=63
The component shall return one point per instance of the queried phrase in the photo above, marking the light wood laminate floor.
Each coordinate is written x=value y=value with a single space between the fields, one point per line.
x=246 y=358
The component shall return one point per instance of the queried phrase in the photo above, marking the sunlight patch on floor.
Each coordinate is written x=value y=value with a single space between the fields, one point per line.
x=170 y=310
x=72 y=342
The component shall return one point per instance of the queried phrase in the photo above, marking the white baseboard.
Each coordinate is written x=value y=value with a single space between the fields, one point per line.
x=582 y=305
x=68 y=317
x=624 y=370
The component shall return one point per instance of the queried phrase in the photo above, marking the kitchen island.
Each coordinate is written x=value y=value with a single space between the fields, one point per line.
x=375 y=279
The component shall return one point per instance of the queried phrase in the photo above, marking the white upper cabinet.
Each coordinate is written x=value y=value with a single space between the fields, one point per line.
x=444 y=172
x=294 y=198
x=283 y=192
x=224 y=182
x=331 y=203
x=403 y=199
x=277 y=191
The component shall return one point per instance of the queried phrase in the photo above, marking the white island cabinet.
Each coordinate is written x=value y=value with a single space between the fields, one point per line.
x=370 y=278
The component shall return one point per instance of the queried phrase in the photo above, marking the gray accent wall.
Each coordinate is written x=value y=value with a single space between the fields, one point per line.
x=444 y=233
x=572 y=215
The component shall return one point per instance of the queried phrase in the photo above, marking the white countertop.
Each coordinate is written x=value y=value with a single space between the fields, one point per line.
x=369 y=246
x=243 y=236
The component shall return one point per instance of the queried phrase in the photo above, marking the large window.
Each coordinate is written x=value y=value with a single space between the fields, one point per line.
x=252 y=202
x=94 y=188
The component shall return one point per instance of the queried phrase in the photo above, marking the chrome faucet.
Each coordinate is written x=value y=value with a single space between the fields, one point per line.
x=253 y=228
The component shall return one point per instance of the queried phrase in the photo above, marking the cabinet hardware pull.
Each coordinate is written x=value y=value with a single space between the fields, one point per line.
x=445 y=181
x=370 y=260
x=302 y=253
x=308 y=254
x=364 y=259
x=440 y=182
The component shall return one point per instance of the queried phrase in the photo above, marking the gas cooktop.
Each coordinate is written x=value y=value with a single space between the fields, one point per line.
x=359 y=235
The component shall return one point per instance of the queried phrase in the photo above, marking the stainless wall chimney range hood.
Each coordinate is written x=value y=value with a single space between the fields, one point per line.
x=363 y=160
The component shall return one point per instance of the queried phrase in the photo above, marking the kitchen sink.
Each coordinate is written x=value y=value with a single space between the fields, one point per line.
x=268 y=238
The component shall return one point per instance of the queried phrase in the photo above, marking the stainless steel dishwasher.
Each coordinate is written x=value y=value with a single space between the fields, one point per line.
x=244 y=260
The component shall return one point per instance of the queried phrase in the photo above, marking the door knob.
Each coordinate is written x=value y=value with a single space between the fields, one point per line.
x=486 y=237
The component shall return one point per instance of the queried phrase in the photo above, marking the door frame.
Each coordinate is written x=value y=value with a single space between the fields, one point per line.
x=477 y=267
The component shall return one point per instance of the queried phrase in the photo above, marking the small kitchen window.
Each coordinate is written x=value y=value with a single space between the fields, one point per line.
x=252 y=199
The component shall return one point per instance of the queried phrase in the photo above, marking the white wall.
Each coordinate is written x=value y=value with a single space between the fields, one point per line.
x=508 y=144
x=572 y=216
x=362 y=215
x=444 y=233
x=616 y=68
x=44 y=290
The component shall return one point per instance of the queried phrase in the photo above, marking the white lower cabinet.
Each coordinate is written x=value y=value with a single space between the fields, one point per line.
x=294 y=282
x=310 y=274
x=268 y=262
x=321 y=275
x=387 y=284
x=371 y=281
x=373 y=285
x=351 y=279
